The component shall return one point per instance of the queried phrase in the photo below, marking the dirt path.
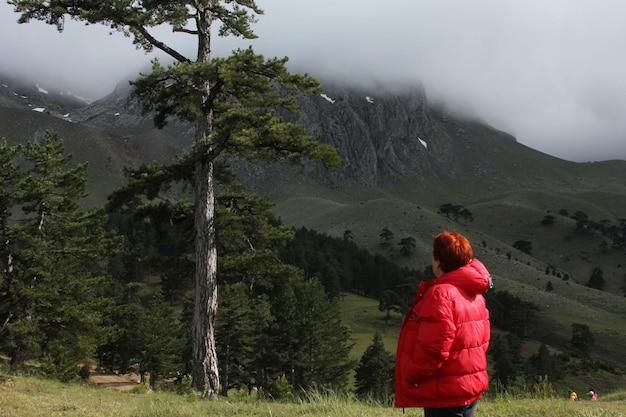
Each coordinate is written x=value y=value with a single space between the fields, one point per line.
x=114 y=381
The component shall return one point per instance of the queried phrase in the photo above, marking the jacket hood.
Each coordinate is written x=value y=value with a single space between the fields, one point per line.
x=473 y=278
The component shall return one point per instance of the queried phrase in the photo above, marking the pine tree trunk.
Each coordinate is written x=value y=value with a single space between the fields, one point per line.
x=153 y=377
x=205 y=374
x=204 y=368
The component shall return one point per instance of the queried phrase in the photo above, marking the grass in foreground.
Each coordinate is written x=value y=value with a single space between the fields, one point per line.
x=34 y=397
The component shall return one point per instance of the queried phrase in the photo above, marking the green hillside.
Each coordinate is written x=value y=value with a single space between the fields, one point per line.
x=363 y=318
x=558 y=256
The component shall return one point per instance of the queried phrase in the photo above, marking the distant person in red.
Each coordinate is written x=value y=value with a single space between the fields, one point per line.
x=441 y=361
x=593 y=396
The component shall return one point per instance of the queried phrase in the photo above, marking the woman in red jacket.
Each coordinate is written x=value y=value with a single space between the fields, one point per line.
x=441 y=361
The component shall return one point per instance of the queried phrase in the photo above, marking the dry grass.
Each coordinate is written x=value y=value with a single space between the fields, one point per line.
x=33 y=397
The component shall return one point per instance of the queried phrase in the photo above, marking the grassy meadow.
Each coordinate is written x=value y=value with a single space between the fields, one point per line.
x=29 y=396
x=361 y=315
x=34 y=397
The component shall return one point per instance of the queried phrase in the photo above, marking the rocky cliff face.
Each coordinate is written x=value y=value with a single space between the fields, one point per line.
x=394 y=135
x=386 y=135
x=383 y=135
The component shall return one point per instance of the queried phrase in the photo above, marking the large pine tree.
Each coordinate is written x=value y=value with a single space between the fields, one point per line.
x=233 y=103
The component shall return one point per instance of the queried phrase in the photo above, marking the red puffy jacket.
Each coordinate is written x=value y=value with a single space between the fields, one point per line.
x=441 y=359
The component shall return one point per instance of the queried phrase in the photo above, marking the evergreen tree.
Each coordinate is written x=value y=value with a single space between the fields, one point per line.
x=407 y=289
x=368 y=276
x=54 y=282
x=407 y=246
x=466 y=215
x=126 y=266
x=346 y=263
x=330 y=279
x=511 y=313
x=375 y=373
x=457 y=212
x=326 y=342
x=582 y=339
x=385 y=236
x=583 y=226
x=306 y=341
x=505 y=351
x=446 y=209
x=10 y=177
x=161 y=341
x=544 y=364
x=389 y=301
x=124 y=318
x=169 y=254
x=247 y=336
x=233 y=103
x=596 y=280
x=523 y=246
x=147 y=339
x=235 y=335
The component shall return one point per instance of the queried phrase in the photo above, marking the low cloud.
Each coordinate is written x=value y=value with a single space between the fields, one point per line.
x=550 y=73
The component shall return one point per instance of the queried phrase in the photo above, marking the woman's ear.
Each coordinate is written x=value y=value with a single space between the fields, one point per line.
x=437 y=268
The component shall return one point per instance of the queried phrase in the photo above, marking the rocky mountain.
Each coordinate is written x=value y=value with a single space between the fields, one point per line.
x=386 y=135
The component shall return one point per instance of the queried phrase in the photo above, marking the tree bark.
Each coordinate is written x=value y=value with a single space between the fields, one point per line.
x=204 y=368
x=205 y=374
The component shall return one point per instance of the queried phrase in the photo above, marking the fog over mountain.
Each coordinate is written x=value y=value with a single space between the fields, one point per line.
x=550 y=73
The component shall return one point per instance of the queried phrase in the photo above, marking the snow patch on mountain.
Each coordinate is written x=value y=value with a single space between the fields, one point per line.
x=325 y=97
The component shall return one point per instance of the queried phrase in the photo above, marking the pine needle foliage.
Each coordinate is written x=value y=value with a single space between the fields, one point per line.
x=54 y=276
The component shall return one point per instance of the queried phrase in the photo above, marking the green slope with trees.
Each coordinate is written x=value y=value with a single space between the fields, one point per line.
x=297 y=313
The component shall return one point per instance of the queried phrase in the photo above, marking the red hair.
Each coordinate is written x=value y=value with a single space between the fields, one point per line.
x=452 y=250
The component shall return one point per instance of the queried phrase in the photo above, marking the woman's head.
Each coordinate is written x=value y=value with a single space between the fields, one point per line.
x=451 y=251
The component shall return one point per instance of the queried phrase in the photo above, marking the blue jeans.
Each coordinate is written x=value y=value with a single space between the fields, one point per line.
x=465 y=411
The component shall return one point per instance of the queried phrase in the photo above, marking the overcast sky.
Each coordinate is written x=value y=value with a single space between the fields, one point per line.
x=550 y=72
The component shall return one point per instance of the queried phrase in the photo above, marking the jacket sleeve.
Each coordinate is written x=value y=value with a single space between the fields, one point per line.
x=434 y=337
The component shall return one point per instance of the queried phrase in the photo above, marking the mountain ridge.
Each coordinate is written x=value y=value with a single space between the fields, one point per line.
x=387 y=136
